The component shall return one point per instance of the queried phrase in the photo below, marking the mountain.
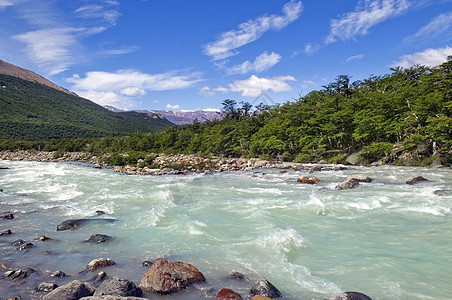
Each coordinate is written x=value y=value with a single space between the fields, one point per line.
x=35 y=110
x=12 y=70
x=180 y=117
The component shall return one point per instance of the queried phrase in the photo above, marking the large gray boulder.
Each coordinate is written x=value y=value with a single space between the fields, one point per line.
x=166 y=276
x=73 y=290
x=116 y=286
x=350 y=296
x=264 y=288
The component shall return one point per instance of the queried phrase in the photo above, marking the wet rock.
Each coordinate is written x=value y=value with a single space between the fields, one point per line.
x=360 y=178
x=58 y=274
x=283 y=172
x=264 y=288
x=350 y=296
x=99 y=238
x=46 y=287
x=77 y=223
x=44 y=238
x=110 y=297
x=147 y=263
x=100 y=212
x=439 y=193
x=225 y=294
x=306 y=180
x=166 y=276
x=238 y=276
x=347 y=184
x=7 y=215
x=98 y=279
x=5 y=232
x=415 y=180
x=99 y=263
x=259 y=297
x=25 y=246
x=18 y=273
x=71 y=291
x=18 y=242
x=116 y=286
x=315 y=169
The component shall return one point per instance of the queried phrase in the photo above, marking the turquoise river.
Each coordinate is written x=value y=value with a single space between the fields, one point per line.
x=386 y=239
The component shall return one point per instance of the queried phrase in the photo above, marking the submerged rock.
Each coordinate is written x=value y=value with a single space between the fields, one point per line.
x=304 y=179
x=5 y=232
x=350 y=296
x=225 y=294
x=77 y=223
x=415 y=180
x=99 y=238
x=238 y=276
x=166 y=276
x=264 y=288
x=116 y=286
x=71 y=291
x=99 y=263
x=439 y=193
x=44 y=238
x=25 y=246
x=58 y=274
x=7 y=215
x=46 y=287
x=18 y=273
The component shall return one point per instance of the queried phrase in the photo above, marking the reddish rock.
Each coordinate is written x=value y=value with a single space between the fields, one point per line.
x=259 y=297
x=166 y=276
x=306 y=180
x=225 y=294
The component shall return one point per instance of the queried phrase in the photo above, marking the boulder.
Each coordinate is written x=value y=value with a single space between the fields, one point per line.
x=264 y=288
x=354 y=158
x=25 y=246
x=46 y=287
x=18 y=273
x=99 y=263
x=225 y=294
x=350 y=296
x=306 y=180
x=99 y=238
x=238 y=276
x=415 y=180
x=116 y=286
x=7 y=215
x=97 y=280
x=5 y=232
x=166 y=276
x=58 y=274
x=360 y=178
x=349 y=183
x=259 y=297
x=71 y=291
x=77 y=223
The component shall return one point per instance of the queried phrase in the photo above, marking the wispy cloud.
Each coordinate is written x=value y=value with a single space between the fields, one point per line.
x=263 y=62
x=368 y=14
x=354 y=57
x=428 y=57
x=51 y=48
x=107 y=12
x=255 y=86
x=207 y=91
x=119 y=51
x=251 y=30
x=441 y=24
x=121 y=88
x=5 y=3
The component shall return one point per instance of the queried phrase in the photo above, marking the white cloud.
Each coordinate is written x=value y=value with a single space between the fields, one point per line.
x=51 y=48
x=310 y=48
x=133 y=91
x=5 y=3
x=428 y=57
x=106 y=13
x=169 y=106
x=355 y=57
x=366 y=15
x=437 y=26
x=261 y=63
x=251 y=30
x=255 y=86
x=108 y=98
x=207 y=91
x=123 y=79
x=119 y=51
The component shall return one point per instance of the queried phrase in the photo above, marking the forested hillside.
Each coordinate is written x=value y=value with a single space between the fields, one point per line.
x=403 y=117
x=32 y=111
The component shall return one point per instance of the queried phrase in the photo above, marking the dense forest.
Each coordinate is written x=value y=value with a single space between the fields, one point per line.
x=401 y=118
x=32 y=111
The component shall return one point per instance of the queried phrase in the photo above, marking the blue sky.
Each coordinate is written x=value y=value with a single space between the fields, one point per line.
x=188 y=55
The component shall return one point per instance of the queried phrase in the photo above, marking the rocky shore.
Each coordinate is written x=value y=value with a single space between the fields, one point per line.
x=162 y=164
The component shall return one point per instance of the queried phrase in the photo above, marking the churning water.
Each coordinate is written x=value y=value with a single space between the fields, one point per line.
x=386 y=239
